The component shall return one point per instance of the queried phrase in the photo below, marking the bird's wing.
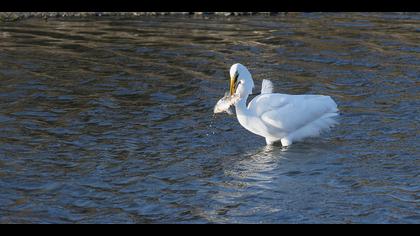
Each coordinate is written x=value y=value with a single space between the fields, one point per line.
x=266 y=87
x=267 y=102
x=296 y=111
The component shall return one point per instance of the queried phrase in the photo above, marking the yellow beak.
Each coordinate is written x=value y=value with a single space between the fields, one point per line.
x=232 y=86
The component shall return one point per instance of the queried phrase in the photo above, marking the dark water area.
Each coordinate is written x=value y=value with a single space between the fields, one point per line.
x=109 y=120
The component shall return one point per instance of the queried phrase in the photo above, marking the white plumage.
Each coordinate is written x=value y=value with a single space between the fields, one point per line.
x=279 y=117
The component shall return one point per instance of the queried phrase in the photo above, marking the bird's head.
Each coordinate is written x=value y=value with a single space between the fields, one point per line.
x=240 y=80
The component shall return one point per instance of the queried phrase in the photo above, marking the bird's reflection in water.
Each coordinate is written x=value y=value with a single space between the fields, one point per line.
x=258 y=165
x=251 y=176
x=261 y=182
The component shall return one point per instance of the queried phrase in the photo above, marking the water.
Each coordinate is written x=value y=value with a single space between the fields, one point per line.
x=107 y=120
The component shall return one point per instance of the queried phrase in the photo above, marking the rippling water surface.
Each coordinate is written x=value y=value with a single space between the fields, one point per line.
x=109 y=120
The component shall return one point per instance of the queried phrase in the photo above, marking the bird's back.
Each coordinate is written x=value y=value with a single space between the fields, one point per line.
x=291 y=112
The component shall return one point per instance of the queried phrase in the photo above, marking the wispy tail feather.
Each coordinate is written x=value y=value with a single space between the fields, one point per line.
x=267 y=86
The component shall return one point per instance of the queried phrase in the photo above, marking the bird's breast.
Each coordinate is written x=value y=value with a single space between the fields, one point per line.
x=253 y=124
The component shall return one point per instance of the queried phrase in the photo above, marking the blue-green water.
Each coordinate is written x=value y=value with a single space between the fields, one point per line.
x=107 y=120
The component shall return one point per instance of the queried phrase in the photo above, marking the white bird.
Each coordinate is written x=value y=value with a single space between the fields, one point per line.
x=279 y=117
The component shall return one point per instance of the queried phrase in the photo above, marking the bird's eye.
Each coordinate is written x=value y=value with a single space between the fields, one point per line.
x=237 y=82
x=235 y=77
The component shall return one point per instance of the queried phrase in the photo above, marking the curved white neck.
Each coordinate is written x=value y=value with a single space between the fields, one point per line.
x=240 y=106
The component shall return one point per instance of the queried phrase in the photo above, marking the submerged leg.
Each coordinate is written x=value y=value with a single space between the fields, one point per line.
x=270 y=141
x=286 y=141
